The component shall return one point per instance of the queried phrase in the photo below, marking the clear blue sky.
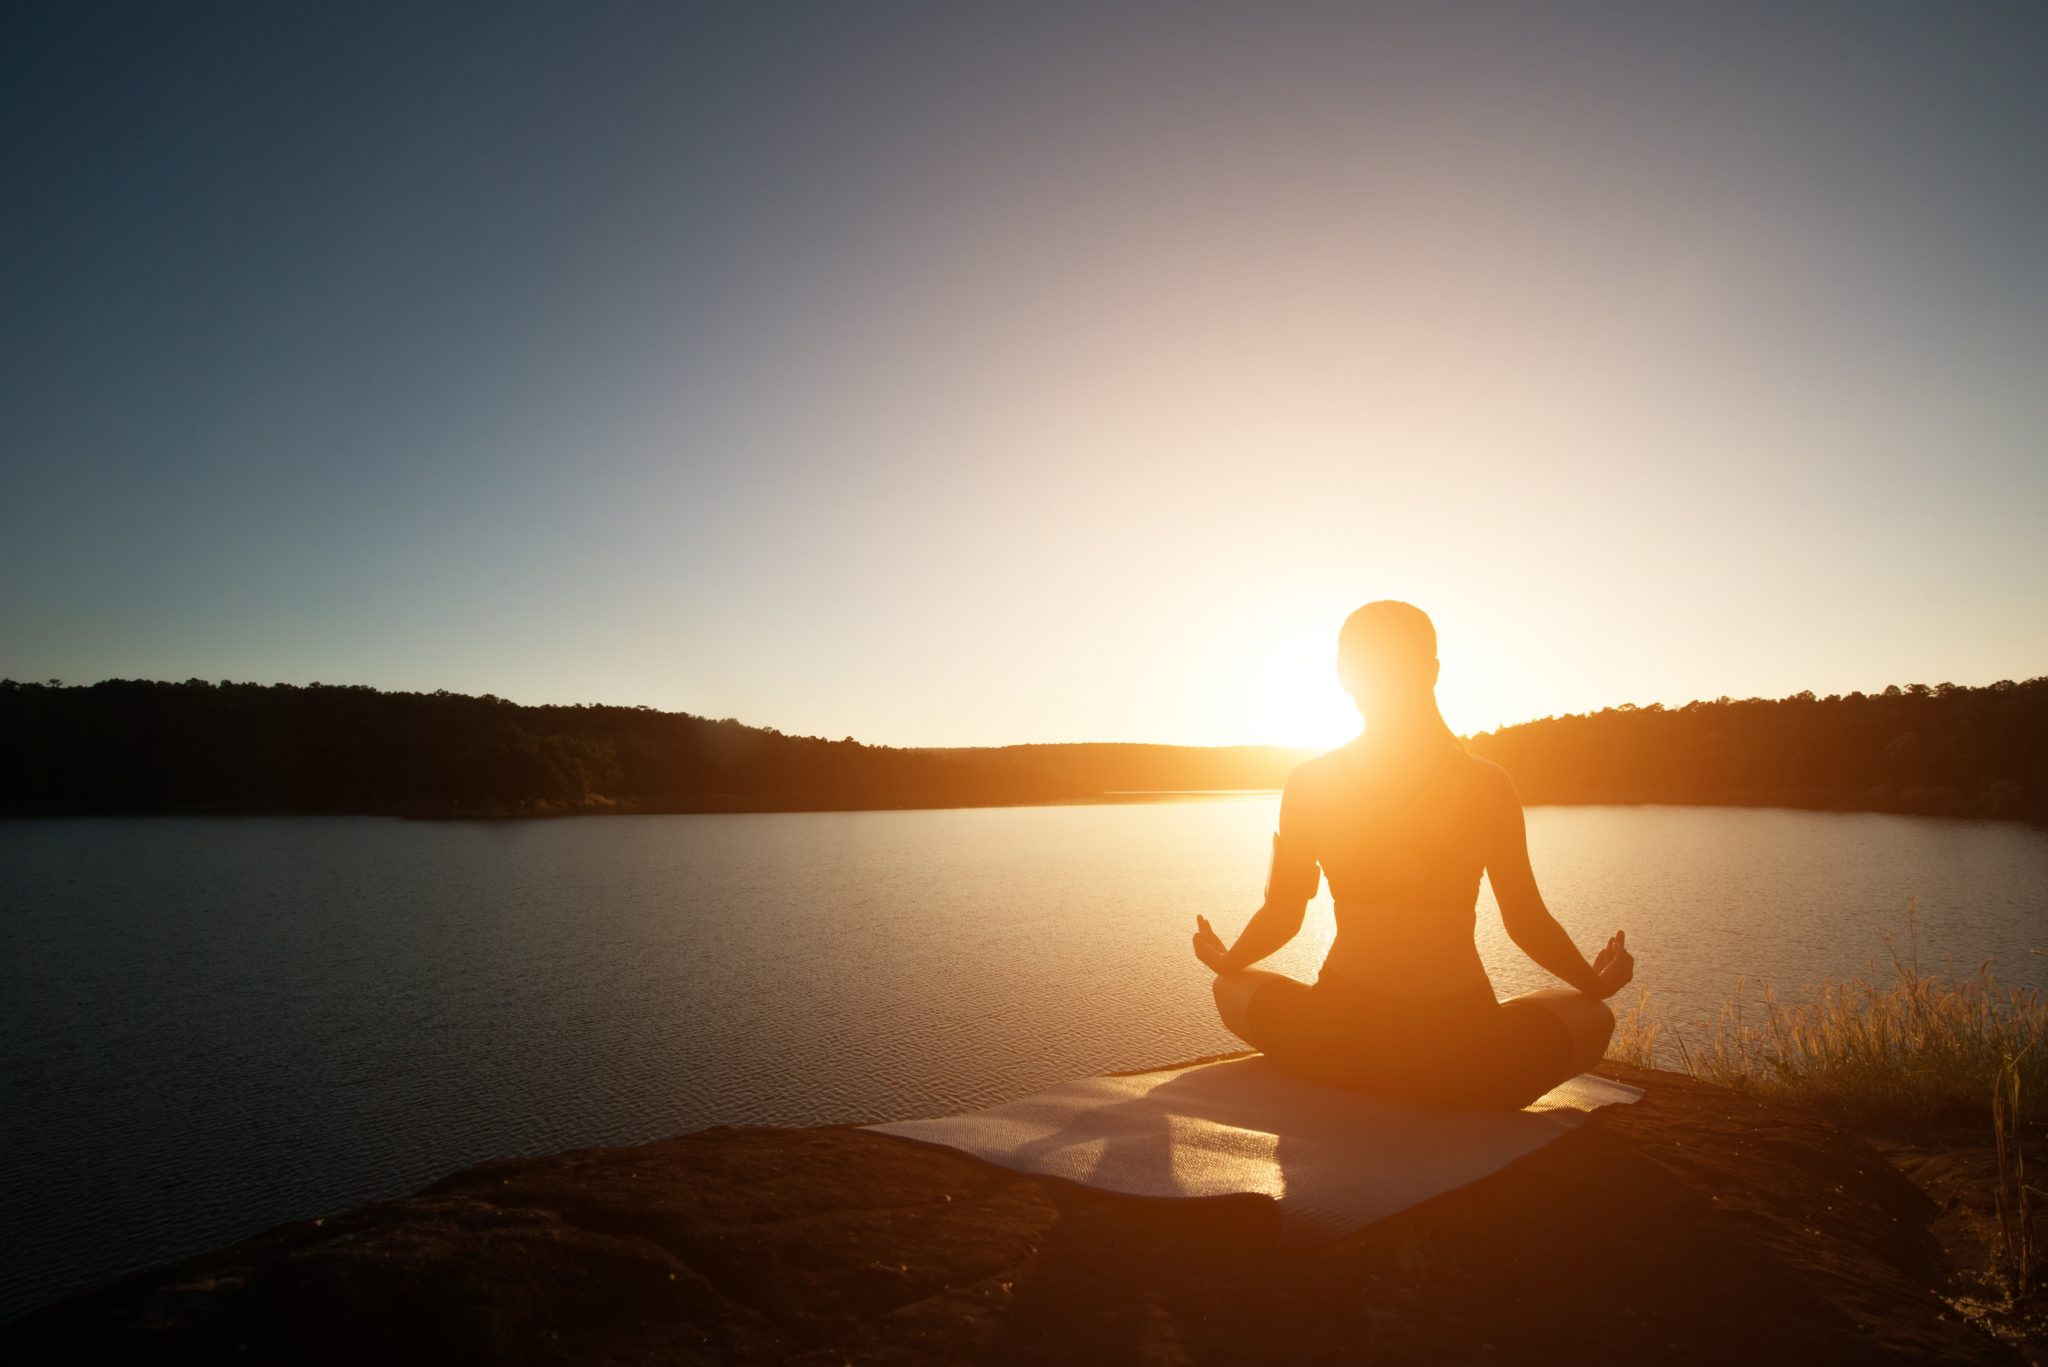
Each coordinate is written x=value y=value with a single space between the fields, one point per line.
x=935 y=375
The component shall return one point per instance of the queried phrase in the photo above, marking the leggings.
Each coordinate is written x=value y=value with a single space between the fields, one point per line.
x=1466 y=1052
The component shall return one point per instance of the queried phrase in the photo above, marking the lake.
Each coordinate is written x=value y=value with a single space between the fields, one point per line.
x=208 y=1026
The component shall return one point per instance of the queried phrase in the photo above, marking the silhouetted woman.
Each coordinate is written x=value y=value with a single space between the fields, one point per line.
x=1403 y=821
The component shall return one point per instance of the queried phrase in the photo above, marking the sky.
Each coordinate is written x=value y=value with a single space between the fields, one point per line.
x=950 y=374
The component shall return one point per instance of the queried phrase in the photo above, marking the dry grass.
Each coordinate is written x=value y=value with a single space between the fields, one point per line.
x=2018 y=1253
x=1883 y=1052
x=1906 y=1049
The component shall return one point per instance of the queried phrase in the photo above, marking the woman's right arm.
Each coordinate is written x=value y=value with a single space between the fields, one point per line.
x=1292 y=880
x=1529 y=923
x=1271 y=926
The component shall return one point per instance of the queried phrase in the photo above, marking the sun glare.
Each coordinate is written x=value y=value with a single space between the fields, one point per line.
x=1281 y=685
x=1291 y=697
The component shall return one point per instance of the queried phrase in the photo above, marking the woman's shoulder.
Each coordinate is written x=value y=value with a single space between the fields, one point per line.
x=1485 y=769
x=1336 y=771
x=1489 y=778
x=1312 y=775
x=1333 y=766
x=1321 y=782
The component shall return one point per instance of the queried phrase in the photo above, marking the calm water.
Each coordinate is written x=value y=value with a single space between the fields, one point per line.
x=211 y=1026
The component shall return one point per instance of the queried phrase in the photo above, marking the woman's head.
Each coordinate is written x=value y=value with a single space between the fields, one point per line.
x=1386 y=659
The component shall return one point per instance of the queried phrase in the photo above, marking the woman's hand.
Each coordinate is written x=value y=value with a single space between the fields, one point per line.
x=1209 y=946
x=1614 y=966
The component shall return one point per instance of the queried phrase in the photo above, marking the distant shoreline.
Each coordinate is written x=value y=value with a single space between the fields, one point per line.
x=798 y=807
x=137 y=746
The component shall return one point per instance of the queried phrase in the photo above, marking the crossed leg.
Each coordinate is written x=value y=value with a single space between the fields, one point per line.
x=1234 y=995
x=1541 y=1038
x=1588 y=1020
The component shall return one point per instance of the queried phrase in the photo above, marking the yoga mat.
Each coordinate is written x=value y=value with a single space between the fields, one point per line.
x=1334 y=1160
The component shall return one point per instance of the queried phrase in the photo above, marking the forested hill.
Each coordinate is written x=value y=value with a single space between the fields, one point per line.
x=1942 y=750
x=132 y=746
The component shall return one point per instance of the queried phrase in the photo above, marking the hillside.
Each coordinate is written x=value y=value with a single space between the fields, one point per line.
x=130 y=746
x=1942 y=751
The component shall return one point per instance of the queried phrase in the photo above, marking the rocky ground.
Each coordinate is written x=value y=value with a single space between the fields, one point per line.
x=1698 y=1225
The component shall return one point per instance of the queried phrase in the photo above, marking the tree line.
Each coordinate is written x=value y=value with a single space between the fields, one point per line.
x=133 y=746
x=1940 y=750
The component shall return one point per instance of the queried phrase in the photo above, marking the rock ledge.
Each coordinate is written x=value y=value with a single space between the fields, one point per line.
x=1697 y=1225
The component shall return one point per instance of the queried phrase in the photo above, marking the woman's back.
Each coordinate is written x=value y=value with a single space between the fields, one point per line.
x=1402 y=832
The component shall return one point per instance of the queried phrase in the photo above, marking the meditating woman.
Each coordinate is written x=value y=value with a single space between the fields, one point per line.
x=1403 y=821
